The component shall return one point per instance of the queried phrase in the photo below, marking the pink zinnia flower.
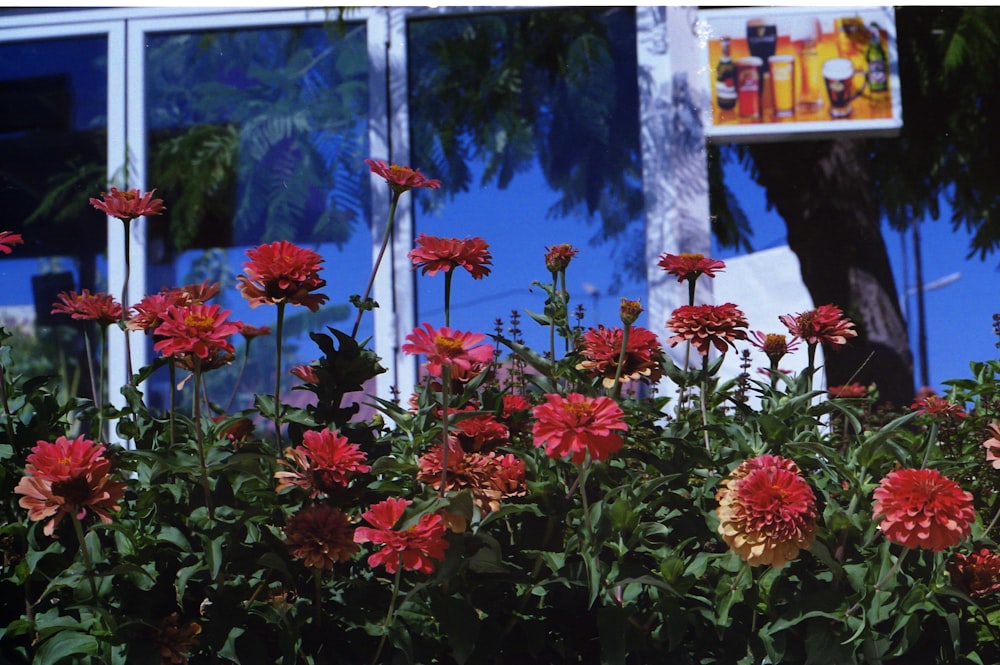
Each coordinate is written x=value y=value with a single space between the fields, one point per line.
x=198 y=330
x=306 y=373
x=323 y=463
x=433 y=255
x=401 y=178
x=321 y=536
x=86 y=306
x=489 y=477
x=282 y=272
x=978 y=574
x=774 y=345
x=557 y=257
x=690 y=266
x=149 y=312
x=601 y=349
x=415 y=548
x=708 y=325
x=482 y=433
x=8 y=240
x=68 y=477
x=444 y=347
x=576 y=425
x=767 y=512
x=128 y=205
x=824 y=325
x=253 y=332
x=921 y=508
x=992 y=444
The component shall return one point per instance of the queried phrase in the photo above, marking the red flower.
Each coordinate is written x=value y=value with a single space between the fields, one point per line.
x=482 y=433
x=978 y=574
x=253 y=332
x=489 y=477
x=321 y=536
x=557 y=257
x=8 y=240
x=128 y=205
x=282 y=273
x=196 y=294
x=433 y=255
x=576 y=425
x=773 y=345
x=938 y=407
x=149 y=311
x=601 y=349
x=452 y=348
x=306 y=373
x=922 y=508
x=415 y=547
x=848 y=391
x=195 y=329
x=513 y=405
x=992 y=444
x=87 y=306
x=401 y=178
x=824 y=325
x=173 y=642
x=767 y=512
x=690 y=266
x=68 y=477
x=705 y=325
x=324 y=462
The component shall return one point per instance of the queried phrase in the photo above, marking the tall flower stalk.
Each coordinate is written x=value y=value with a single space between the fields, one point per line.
x=433 y=255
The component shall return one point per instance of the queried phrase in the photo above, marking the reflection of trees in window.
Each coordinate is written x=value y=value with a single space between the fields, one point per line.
x=257 y=135
x=558 y=86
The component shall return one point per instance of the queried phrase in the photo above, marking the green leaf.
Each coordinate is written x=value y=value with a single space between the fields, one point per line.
x=65 y=644
x=460 y=624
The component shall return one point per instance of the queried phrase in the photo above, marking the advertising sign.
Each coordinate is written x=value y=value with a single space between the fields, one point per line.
x=788 y=73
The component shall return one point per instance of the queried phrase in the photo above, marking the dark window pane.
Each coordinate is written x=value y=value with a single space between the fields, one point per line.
x=530 y=120
x=260 y=135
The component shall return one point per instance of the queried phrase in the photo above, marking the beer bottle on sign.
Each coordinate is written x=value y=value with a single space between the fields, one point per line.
x=725 y=78
x=878 y=65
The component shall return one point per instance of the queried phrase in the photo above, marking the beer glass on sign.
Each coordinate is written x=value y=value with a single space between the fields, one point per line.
x=748 y=86
x=762 y=40
x=783 y=82
x=806 y=35
x=839 y=76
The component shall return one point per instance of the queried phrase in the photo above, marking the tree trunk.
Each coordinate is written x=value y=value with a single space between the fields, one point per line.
x=824 y=190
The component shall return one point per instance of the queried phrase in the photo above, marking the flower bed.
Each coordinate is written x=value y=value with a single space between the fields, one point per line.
x=589 y=502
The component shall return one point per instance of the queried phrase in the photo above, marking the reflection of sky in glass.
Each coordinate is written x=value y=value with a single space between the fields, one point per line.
x=513 y=221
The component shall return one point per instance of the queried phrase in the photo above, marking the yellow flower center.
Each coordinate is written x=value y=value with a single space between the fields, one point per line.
x=199 y=322
x=448 y=345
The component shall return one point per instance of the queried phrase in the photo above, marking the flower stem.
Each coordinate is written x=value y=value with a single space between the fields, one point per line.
x=239 y=377
x=393 y=202
x=277 y=376
x=87 y=563
x=704 y=397
x=447 y=297
x=317 y=603
x=124 y=319
x=445 y=398
x=584 y=468
x=200 y=440
x=172 y=371
x=617 y=389
x=6 y=408
x=391 y=611
x=552 y=321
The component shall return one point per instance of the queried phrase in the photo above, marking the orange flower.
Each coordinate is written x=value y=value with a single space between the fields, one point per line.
x=128 y=205
x=922 y=508
x=690 y=266
x=324 y=462
x=938 y=408
x=849 y=390
x=978 y=574
x=68 y=477
x=707 y=325
x=253 y=332
x=415 y=547
x=321 y=536
x=767 y=512
x=824 y=325
x=86 y=306
x=557 y=257
x=8 y=240
x=482 y=433
x=452 y=348
x=992 y=444
x=197 y=330
x=401 y=178
x=489 y=477
x=433 y=255
x=282 y=273
x=601 y=349
x=174 y=642
x=576 y=425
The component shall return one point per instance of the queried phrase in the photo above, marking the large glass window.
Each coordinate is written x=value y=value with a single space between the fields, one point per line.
x=53 y=156
x=531 y=121
x=254 y=136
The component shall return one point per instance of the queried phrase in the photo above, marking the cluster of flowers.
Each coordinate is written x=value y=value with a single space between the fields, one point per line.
x=767 y=511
